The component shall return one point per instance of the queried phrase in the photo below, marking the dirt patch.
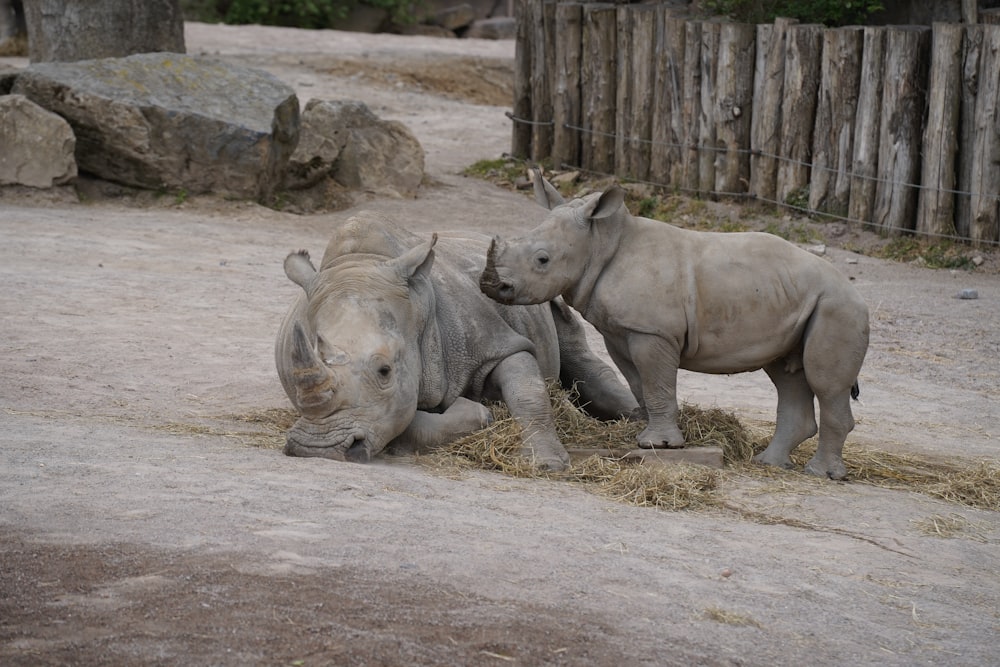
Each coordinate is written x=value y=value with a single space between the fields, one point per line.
x=137 y=526
x=486 y=81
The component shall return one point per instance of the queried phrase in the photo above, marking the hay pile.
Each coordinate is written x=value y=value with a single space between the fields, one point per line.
x=683 y=486
x=691 y=486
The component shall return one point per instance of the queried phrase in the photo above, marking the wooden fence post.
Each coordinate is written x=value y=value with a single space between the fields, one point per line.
x=598 y=87
x=635 y=90
x=901 y=128
x=864 y=165
x=566 y=100
x=766 y=135
x=520 y=141
x=733 y=106
x=836 y=111
x=936 y=202
x=623 y=92
x=691 y=104
x=985 y=222
x=710 y=32
x=542 y=19
x=972 y=47
x=642 y=109
x=667 y=129
x=803 y=49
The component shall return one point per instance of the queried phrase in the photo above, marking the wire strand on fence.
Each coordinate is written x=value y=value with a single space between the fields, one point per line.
x=525 y=121
x=780 y=158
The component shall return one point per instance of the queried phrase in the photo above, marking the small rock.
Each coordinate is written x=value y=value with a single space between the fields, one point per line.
x=817 y=249
x=967 y=294
x=978 y=260
x=851 y=260
x=638 y=190
x=38 y=146
x=565 y=178
x=726 y=573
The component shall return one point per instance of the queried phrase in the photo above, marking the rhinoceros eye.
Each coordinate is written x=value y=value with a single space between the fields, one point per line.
x=383 y=373
x=541 y=259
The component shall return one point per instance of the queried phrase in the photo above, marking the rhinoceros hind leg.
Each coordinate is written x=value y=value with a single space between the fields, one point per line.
x=602 y=394
x=796 y=414
x=835 y=422
x=523 y=389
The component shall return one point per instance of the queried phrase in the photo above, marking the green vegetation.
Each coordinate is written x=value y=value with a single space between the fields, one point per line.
x=936 y=255
x=500 y=171
x=828 y=12
x=314 y=14
x=796 y=232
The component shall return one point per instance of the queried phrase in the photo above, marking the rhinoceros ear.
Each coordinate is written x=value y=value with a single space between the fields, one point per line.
x=416 y=260
x=607 y=204
x=545 y=193
x=299 y=269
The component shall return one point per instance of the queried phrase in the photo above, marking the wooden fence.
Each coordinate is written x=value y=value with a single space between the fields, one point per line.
x=897 y=127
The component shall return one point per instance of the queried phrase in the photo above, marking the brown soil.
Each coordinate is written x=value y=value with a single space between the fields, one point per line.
x=141 y=522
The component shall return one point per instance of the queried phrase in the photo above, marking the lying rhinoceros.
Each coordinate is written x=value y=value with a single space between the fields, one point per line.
x=393 y=343
x=667 y=298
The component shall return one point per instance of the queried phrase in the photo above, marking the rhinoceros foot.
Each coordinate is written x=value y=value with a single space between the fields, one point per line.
x=776 y=461
x=829 y=467
x=549 y=459
x=663 y=438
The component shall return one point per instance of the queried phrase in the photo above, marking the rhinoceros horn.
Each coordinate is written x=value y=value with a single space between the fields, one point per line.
x=314 y=383
x=490 y=281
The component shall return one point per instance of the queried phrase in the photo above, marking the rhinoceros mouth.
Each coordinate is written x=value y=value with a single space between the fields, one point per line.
x=309 y=440
x=498 y=289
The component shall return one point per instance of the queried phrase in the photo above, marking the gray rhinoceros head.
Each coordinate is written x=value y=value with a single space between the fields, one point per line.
x=355 y=355
x=551 y=258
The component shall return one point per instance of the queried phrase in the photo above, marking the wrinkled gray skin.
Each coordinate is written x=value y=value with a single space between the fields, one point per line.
x=392 y=343
x=666 y=298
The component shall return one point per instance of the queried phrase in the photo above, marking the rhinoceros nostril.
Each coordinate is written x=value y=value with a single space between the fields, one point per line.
x=358 y=452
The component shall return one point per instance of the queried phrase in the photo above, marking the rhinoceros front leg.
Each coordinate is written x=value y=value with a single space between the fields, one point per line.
x=656 y=360
x=523 y=389
x=430 y=430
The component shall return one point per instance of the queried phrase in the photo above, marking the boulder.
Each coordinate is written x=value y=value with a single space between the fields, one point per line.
x=13 y=32
x=37 y=145
x=453 y=18
x=162 y=120
x=500 y=27
x=345 y=140
x=67 y=31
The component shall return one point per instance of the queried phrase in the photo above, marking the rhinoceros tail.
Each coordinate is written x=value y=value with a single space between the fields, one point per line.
x=855 y=390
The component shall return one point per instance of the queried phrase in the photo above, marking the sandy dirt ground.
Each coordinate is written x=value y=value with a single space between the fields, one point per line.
x=138 y=526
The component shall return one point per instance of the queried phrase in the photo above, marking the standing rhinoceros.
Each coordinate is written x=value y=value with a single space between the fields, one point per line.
x=393 y=342
x=667 y=298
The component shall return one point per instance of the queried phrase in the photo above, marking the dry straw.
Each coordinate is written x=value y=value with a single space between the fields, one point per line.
x=681 y=486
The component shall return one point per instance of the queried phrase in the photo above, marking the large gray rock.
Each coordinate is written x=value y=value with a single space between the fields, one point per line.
x=345 y=140
x=64 y=31
x=37 y=145
x=161 y=120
